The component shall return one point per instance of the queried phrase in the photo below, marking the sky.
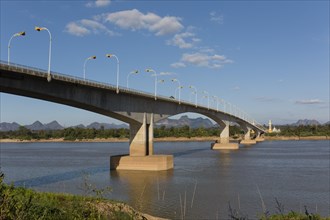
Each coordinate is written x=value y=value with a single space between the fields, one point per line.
x=268 y=58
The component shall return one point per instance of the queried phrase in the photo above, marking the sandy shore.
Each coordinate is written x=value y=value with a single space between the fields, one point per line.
x=165 y=139
x=292 y=138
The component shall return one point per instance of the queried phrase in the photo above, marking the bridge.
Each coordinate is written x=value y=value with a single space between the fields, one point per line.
x=139 y=109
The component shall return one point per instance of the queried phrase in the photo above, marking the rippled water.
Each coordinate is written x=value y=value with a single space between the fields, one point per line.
x=201 y=185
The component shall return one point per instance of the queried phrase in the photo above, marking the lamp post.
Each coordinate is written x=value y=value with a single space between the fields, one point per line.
x=49 y=77
x=224 y=105
x=208 y=99
x=113 y=55
x=133 y=72
x=14 y=35
x=194 y=88
x=229 y=108
x=155 y=75
x=216 y=99
x=179 y=87
x=89 y=58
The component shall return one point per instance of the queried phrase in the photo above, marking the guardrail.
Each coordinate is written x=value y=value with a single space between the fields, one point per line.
x=74 y=79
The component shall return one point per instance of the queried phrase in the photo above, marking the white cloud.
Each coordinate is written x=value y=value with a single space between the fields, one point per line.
x=180 y=40
x=309 y=102
x=136 y=20
x=216 y=18
x=76 y=29
x=98 y=3
x=166 y=73
x=86 y=26
x=178 y=65
x=205 y=60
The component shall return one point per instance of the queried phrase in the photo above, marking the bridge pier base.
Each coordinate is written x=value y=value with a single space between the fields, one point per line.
x=147 y=163
x=141 y=150
x=223 y=142
x=259 y=138
x=247 y=138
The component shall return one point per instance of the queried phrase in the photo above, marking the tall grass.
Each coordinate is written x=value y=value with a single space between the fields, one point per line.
x=20 y=203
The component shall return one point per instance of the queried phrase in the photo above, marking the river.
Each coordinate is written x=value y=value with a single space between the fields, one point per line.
x=202 y=184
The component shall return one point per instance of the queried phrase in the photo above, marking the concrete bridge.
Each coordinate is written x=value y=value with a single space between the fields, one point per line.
x=140 y=110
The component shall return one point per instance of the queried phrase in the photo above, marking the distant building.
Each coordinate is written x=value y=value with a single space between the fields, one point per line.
x=272 y=130
x=275 y=130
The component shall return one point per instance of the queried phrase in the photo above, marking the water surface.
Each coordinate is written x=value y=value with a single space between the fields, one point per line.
x=201 y=185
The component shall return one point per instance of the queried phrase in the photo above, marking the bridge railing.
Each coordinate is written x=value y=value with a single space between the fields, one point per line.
x=75 y=79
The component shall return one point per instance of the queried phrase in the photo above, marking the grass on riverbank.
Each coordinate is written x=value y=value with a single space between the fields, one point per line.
x=21 y=203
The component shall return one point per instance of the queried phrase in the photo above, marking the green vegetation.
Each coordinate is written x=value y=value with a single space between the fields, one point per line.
x=280 y=214
x=21 y=203
x=303 y=131
x=71 y=134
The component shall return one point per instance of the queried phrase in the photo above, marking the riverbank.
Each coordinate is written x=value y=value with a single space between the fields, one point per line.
x=100 y=140
x=295 y=138
x=164 y=139
x=22 y=203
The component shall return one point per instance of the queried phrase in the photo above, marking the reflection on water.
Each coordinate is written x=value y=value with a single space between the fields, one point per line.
x=58 y=177
x=200 y=186
x=143 y=186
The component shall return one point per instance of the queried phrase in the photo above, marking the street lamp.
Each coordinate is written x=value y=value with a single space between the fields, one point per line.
x=216 y=99
x=15 y=35
x=112 y=55
x=208 y=99
x=224 y=105
x=193 y=87
x=155 y=75
x=133 y=72
x=89 y=58
x=230 y=108
x=179 y=87
x=49 y=77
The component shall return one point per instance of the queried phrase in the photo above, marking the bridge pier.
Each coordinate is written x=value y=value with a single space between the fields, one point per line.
x=223 y=142
x=141 y=151
x=247 y=136
x=259 y=138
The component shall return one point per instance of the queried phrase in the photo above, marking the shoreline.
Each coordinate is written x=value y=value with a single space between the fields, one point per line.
x=165 y=139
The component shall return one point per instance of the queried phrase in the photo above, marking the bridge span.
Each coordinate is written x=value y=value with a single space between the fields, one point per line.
x=139 y=109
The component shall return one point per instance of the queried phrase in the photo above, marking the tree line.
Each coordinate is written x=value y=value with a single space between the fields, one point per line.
x=77 y=133
x=302 y=130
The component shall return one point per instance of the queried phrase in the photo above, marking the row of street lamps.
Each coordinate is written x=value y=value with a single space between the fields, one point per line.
x=237 y=111
x=50 y=46
x=109 y=56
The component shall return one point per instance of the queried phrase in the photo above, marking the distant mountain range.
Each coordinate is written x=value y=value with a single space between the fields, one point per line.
x=54 y=125
x=186 y=121
x=182 y=121
x=306 y=122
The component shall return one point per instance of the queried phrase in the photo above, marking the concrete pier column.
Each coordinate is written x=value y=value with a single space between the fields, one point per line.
x=224 y=134
x=151 y=135
x=259 y=138
x=247 y=133
x=223 y=142
x=141 y=150
x=138 y=143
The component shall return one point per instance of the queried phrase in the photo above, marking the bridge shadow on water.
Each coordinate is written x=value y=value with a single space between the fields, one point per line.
x=54 y=178
x=187 y=152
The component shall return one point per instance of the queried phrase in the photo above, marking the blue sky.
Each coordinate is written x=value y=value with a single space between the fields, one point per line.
x=269 y=58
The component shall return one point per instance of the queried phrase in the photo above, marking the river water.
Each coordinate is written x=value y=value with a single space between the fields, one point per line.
x=202 y=184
